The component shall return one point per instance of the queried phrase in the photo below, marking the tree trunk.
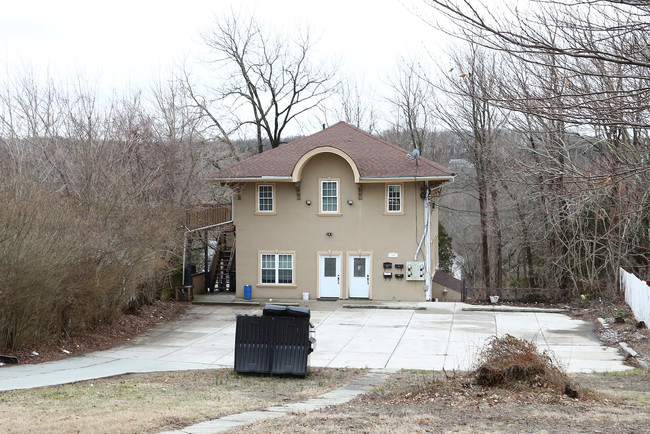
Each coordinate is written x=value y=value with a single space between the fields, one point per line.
x=485 y=253
x=498 y=275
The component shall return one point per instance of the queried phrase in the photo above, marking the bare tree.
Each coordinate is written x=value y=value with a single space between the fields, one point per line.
x=579 y=82
x=468 y=112
x=352 y=104
x=412 y=100
x=93 y=195
x=268 y=78
x=592 y=39
x=179 y=125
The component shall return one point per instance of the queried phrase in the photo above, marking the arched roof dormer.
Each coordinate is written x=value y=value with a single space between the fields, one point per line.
x=296 y=174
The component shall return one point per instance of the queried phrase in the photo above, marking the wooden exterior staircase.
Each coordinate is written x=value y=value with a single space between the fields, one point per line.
x=210 y=231
x=222 y=269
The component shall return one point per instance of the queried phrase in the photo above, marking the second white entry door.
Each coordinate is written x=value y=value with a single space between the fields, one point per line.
x=329 y=281
x=359 y=276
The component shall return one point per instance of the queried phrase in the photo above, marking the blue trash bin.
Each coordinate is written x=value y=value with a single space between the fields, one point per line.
x=248 y=292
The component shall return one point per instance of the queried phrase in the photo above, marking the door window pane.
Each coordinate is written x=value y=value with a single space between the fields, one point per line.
x=359 y=265
x=330 y=267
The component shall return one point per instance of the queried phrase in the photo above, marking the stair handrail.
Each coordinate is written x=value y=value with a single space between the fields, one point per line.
x=215 y=258
x=232 y=257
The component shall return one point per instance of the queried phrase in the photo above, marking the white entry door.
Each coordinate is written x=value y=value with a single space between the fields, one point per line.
x=359 y=276
x=329 y=281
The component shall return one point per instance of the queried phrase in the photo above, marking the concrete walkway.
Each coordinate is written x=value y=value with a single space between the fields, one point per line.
x=429 y=336
x=335 y=397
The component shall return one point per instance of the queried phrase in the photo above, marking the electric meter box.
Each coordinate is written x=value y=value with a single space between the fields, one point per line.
x=414 y=270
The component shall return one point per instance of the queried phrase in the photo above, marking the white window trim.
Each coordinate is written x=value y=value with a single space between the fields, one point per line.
x=321 y=212
x=273 y=199
x=277 y=255
x=387 y=210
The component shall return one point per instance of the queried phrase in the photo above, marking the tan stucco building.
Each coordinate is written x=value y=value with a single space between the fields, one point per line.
x=338 y=214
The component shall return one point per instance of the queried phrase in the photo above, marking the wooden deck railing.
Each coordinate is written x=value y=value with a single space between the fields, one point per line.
x=208 y=216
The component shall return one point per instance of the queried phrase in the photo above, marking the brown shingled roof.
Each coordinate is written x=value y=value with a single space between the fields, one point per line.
x=447 y=280
x=374 y=157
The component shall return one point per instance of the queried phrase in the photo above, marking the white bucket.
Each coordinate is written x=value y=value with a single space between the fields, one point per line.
x=305 y=296
x=494 y=298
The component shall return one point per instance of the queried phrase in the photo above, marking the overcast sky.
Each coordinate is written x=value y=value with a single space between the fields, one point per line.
x=129 y=40
x=123 y=43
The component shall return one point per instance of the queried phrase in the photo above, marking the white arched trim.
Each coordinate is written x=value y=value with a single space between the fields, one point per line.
x=296 y=175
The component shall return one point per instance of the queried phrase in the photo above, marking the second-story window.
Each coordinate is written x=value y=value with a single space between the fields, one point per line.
x=394 y=199
x=265 y=198
x=329 y=197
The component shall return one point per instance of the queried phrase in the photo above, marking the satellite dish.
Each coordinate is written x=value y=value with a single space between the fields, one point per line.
x=414 y=156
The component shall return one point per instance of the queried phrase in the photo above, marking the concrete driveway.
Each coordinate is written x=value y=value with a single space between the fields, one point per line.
x=429 y=336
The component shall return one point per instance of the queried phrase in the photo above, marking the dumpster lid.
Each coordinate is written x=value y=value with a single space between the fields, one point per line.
x=286 y=311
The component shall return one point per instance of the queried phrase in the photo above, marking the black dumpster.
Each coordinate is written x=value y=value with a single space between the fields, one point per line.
x=286 y=311
x=278 y=342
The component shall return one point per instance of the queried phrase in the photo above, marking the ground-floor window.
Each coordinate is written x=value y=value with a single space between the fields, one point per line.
x=276 y=268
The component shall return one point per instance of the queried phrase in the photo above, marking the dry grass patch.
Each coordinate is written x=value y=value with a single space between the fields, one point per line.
x=420 y=401
x=513 y=389
x=155 y=402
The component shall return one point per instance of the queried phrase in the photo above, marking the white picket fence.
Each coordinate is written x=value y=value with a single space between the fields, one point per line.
x=637 y=296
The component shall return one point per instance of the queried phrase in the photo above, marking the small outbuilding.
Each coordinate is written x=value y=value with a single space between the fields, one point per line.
x=446 y=287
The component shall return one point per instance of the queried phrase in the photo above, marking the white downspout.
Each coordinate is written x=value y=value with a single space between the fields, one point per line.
x=424 y=231
x=427 y=247
x=426 y=239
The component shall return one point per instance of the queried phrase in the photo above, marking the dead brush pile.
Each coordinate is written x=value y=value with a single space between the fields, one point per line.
x=512 y=363
x=509 y=371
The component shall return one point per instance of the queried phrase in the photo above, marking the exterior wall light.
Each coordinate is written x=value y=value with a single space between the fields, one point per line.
x=308 y=202
x=329 y=234
x=350 y=202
